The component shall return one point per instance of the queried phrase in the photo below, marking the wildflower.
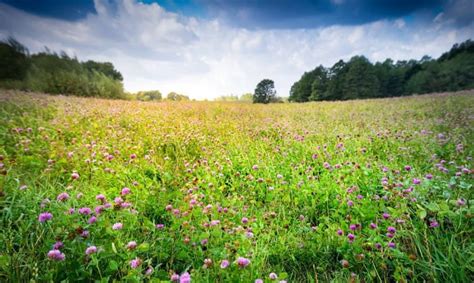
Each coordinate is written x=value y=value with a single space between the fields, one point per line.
x=373 y=226
x=245 y=220
x=175 y=277
x=133 y=156
x=135 y=263
x=75 y=176
x=118 y=200
x=386 y=215
x=242 y=262
x=149 y=271
x=350 y=203
x=224 y=264
x=351 y=237
x=344 y=263
x=58 y=245
x=131 y=245
x=434 y=224
x=23 y=187
x=378 y=246
x=258 y=280
x=391 y=245
x=100 y=197
x=429 y=176
x=391 y=229
x=461 y=202
x=92 y=220
x=79 y=195
x=125 y=191
x=117 y=226
x=71 y=211
x=160 y=226
x=85 y=211
x=56 y=255
x=273 y=276
x=255 y=167
x=62 y=196
x=85 y=234
x=204 y=242
x=207 y=262
x=185 y=278
x=45 y=216
x=407 y=167
x=91 y=250
x=352 y=227
x=340 y=232
x=169 y=207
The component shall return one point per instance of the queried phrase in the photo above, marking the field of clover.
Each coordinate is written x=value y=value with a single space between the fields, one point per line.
x=359 y=191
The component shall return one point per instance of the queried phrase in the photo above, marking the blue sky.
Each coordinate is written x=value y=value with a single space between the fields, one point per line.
x=207 y=48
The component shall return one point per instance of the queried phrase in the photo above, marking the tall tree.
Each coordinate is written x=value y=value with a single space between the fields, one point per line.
x=265 y=92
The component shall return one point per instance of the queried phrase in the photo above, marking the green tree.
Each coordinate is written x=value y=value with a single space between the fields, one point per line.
x=14 y=61
x=173 y=96
x=265 y=92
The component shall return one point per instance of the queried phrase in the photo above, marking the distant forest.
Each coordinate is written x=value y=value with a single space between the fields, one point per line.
x=56 y=73
x=359 y=78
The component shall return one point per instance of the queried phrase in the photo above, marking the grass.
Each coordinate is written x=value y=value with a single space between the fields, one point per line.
x=270 y=183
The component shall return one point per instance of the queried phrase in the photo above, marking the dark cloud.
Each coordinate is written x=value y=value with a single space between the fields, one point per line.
x=59 y=9
x=308 y=13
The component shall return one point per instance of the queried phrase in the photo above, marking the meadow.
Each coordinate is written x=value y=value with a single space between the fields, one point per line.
x=357 y=191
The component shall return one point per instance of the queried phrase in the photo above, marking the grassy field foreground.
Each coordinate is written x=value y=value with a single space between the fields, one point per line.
x=375 y=190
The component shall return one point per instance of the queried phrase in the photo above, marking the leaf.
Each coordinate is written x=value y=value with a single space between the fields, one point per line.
x=422 y=214
x=113 y=265
x=114 y=248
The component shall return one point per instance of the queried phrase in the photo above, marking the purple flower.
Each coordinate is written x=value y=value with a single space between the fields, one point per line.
x=125 y=191
x=245 y=220
x=392 y=245
x=224 y=264
x=160 y=226
x=149 y=271
x=62 y=196
x=45 y=216
x=408 y=167
x=58 y=245
x=386 y=215
x=242 y=262
x=429 y=176
x=56 y=255
x=131 y=245
x=273 y=276
x=85 y=211
x=92 y=220
x=373 y=226
x=258 y=280
x=100 y=197
x=351 y=237
x=416 y=181
x=75 y=176
x=255 y=167
x=434 y=224
x=175 y=277
x=350 y=203
x=352 y=227
x=391 y=229
x=340 y=232
x=91 y=250
x=185 y=278
x=135 y=263
x=117 y=226
x=461 y=202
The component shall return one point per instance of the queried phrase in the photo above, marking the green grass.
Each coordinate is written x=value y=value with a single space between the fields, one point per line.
x=194 y=154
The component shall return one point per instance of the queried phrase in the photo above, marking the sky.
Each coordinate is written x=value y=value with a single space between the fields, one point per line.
x=209 y=48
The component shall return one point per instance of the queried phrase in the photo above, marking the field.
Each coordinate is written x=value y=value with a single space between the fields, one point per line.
x=360 y=191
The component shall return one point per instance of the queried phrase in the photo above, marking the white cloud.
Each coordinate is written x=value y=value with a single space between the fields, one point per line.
x=157 y=49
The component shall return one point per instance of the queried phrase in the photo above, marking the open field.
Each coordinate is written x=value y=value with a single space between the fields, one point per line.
x=374 y=190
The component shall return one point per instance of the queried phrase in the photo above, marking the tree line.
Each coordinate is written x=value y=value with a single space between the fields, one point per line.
x=359 y=78
x=55 y=73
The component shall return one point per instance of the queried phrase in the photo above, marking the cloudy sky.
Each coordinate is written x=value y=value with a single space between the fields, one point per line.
x=208 y=48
